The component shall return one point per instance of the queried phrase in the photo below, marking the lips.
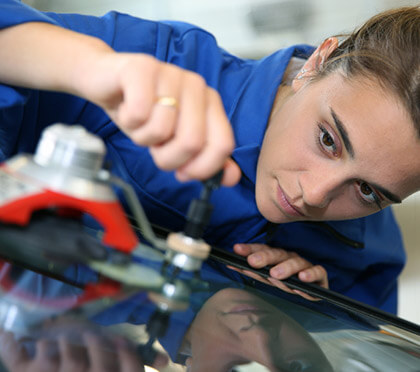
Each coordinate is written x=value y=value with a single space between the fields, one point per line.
x=286 y=206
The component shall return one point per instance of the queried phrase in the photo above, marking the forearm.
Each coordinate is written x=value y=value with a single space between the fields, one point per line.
x=192 y=135
x=43 y=56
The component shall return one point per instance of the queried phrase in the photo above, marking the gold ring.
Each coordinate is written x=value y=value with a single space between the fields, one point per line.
x=167 y=101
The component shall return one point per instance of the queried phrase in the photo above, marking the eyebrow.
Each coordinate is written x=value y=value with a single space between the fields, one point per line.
x=343 y=133
x=349 y=147
x=389 y=195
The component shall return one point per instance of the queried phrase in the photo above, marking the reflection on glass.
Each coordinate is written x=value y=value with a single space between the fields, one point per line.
x=354 y=350
x=66 y=344
x=217 y=325
x=235 y=327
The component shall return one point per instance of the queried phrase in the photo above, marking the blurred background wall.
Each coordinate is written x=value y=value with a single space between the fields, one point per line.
x=248 y=28
x=253 y=28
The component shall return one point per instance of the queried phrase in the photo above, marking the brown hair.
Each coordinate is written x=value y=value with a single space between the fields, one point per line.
x=386 y=47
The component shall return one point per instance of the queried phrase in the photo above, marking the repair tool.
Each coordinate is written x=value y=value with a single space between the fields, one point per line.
x=187 y=250
x=43 y=198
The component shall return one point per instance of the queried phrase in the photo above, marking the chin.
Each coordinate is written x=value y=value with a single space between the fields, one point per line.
x=271 y=213
x=281 y=219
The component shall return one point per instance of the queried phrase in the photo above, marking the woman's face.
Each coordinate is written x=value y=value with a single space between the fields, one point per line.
x=235 y=327
x=336 y=149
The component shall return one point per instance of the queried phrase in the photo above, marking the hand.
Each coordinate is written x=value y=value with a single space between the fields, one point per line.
x=191 y=134
x=95 y=355
x=284 y=264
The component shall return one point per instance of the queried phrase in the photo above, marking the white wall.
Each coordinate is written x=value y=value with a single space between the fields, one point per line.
x=408 y=215
x=309 y=21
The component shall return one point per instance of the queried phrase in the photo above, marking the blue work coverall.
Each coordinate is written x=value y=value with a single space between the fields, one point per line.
x=363 y=257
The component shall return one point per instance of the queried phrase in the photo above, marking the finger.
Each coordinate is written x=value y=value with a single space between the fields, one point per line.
x=279 y=284
x=101 y=356
x=234 y=268
x=249 y=273
x=289 y=267
x=191 y=132
x=218 y=147
x=237 y=269
x=11 y=353
x=73 y=357
x=47 y=355
x=285 y=288
x=161 y=361
x=305 y=295
x=268 y=256
x=246 y=249
x=128 y=359
x=231 y=173
x=242 y=249
x=161 y=125
x=138 y=85
x=256 y=276
x=316 y=274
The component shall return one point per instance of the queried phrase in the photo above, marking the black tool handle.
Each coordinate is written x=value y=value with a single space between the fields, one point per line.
x=200 y=209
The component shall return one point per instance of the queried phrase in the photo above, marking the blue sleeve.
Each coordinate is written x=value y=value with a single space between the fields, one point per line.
x=25 y=113
x=14 y=12
x=179 y=43
x=12 y=100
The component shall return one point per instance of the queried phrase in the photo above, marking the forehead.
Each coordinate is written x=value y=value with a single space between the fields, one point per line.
x=385 y=141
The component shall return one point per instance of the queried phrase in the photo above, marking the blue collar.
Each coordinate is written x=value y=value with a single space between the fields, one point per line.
x=251 y=109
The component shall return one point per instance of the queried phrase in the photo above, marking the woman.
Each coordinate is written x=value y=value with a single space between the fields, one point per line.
x=315 y=145
x=235 y=327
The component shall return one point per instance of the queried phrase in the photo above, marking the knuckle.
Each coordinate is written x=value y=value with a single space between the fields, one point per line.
x=230 y=144
x=193 y=145
x=156 y=134
x=214 y=96
x=174 y=71
x=139 y=115
x=196 y=80
x=150 y=135
x=146 y=63
x=272 y=254
x=293 y=255
x=132 y=119
x=194 y=174
x=302 y=264
x=161 y=162
x=294 y=267
x=137 y=137
x=254 y=246
x=321 y=270
x=224 y=147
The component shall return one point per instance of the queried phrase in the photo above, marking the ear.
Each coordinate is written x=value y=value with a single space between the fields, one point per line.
x=316 y=60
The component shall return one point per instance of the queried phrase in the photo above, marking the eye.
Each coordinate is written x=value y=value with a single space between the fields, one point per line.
x=298 y=366
x=368 y=194
x=327 y=142
x=295 y=366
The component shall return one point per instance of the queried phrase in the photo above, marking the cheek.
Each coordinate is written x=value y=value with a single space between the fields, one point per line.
x=346 y=206
x=281 y=148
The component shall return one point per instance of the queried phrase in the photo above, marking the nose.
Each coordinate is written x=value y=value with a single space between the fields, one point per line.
x=318 y=190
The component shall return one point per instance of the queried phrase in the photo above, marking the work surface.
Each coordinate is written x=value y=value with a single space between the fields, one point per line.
x=211 y=319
